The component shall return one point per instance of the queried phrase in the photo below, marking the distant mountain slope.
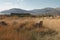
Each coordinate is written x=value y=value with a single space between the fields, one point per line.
x=46 y=11
x=14 y=10
x=58 y=8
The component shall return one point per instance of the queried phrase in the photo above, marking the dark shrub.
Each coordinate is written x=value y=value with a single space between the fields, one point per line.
x=40 y=24
x=3 y=23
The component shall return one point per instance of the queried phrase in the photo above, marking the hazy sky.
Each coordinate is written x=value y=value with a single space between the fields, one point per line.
x=28 y=4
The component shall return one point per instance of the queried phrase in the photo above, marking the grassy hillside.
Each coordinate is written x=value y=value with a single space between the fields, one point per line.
x=29 y=28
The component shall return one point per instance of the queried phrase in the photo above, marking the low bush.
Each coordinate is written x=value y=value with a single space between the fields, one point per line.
x=3 y=23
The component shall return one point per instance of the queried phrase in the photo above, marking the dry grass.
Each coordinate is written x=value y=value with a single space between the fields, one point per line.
x=26 y=29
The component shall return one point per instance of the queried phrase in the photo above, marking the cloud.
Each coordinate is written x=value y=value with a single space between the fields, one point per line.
x=7 y=5
x=20 y=0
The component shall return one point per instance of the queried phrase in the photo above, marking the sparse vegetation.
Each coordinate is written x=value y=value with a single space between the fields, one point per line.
x=29 y=28
x=41 y=35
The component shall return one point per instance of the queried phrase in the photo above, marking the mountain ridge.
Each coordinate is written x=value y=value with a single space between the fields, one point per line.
x=47 y=11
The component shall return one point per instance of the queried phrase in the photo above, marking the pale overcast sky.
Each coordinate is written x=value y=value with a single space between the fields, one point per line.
x=28 y=4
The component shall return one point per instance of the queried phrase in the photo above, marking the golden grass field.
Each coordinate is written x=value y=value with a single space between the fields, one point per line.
x=25 y=28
